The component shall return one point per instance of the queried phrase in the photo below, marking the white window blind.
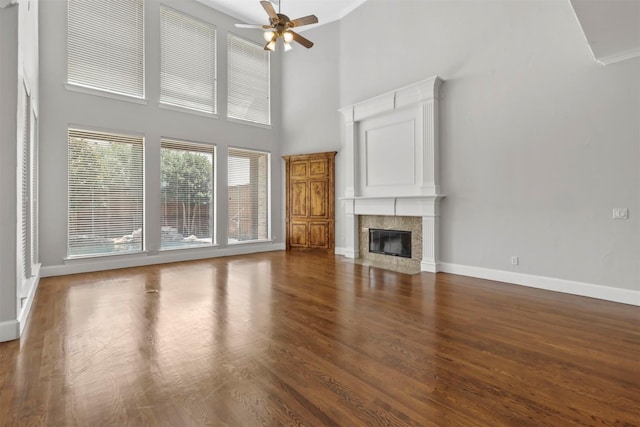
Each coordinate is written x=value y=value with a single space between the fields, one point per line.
x=25 y=220
x=187 y=185
x=35 y=230
x=105 y=193
x=248 y=81
x=188 y=61
x=248 y=194
x=105 y=45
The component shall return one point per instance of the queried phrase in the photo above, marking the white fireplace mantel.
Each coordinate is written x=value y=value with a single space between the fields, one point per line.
x=391 y=151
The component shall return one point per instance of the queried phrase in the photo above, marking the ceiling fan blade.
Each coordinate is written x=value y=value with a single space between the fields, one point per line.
x=311 y=19
x=250 y=26
x=303 y=41
x=268 y=7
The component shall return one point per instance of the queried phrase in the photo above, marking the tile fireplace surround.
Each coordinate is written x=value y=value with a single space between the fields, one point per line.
x=405 y=223
x=391 y=150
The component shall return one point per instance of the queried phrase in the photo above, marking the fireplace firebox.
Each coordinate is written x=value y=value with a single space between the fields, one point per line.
x=390 y=242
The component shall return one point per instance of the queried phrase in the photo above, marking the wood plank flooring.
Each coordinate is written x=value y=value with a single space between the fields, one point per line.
x=310 y=339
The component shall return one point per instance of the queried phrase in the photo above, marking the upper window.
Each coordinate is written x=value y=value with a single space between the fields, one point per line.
x=187 y=210
x=105 y=193
x=105 y=45
x=248 y=192
x=187 y=61
x=249 y=81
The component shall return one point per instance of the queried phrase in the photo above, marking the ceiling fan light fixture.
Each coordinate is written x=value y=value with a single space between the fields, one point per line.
x=268 y=35
x=280 y=26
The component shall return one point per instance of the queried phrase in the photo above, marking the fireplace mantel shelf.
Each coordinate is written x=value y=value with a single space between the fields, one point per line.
x=424 y=205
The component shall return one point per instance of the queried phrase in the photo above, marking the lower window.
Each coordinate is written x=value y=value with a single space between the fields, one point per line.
x=105 y=193
x=187 y=210
x=248 y=192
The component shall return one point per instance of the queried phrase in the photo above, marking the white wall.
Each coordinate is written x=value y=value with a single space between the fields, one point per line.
x=18 y=68
x=62 y=107
x=539 y=142
x=8 y=129
x=310 y=101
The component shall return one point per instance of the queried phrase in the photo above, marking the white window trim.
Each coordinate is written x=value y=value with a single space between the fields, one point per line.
x=269 y=238
x=105 y=93
x=144 y=250
x=269 y=95
x=185 y=110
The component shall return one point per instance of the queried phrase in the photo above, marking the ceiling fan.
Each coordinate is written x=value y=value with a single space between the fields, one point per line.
x=281 y=26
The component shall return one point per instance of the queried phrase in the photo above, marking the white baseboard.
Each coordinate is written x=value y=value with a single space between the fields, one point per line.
x=12 y=329
x=430 y=267
x=88 y=265
x=340 y=251
x=9 y=330
x=26 y=307
x=609 y=293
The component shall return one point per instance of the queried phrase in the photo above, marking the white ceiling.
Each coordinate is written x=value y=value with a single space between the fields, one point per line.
x=251 y=12
x=612 y=28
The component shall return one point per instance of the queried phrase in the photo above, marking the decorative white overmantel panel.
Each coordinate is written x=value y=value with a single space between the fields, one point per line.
x=391 y=151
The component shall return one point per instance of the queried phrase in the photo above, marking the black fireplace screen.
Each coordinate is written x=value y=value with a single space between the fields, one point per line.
x=390 y=242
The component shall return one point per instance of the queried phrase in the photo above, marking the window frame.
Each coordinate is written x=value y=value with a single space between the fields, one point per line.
x=260 y=48
x=268 y=183
x=181 y=106
x=83 y=87
x=137 y=140
x=183 y=145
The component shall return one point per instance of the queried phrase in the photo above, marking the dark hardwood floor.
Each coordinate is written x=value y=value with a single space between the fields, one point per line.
x=306 y=339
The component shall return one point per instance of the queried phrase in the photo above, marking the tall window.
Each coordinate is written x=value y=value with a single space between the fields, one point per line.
x=248 y=192
x=187 y=61
x=35 y=228
x=105 y=45
x=26 y=223
x=105 y=194
x=249 y=81
x=187 y=186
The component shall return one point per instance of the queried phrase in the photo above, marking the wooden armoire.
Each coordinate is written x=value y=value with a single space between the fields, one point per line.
x=310 y=201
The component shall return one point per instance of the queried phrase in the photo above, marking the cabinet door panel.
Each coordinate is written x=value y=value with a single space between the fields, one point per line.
x=298 y=170
x=299 y=198
x=318 y=168
x=318 y=235
x=319 y=199
x=298 y=235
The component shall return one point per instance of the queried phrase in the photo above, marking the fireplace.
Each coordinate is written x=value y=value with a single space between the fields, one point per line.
x=410 y=224
x=390 y=242
x=391 y=150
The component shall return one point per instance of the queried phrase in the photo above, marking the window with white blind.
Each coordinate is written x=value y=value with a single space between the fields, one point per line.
x=187 y=61
x=248 y=195
x=34 y=194
x=187 y=186
x=105 y=193
x=105 y=45
x=26 y=190
x=248 y=81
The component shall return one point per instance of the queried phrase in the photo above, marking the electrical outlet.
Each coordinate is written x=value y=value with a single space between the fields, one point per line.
x=620 y=213
x=515 y=260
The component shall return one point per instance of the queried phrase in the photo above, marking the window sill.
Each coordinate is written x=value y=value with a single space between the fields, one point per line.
x=80 y=258
x=105 y=94
x=183 y=248
x=248 y=242
x=247 y=122
x=187 y=110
